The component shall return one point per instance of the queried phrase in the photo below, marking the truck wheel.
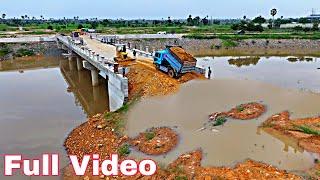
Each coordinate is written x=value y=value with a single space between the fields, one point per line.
x=171 y=73
x=157 y=66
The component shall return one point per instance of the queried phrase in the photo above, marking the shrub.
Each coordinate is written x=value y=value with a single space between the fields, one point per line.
x=229 y=43
x=220 y=121
x=150 y=135
x=24 y=52
x=124 y=150
x=50 y=27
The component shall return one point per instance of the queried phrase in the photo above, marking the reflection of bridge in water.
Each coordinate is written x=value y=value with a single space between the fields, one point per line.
x=93 y=99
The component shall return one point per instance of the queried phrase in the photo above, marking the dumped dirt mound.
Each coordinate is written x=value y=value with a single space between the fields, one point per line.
x=247 y=111
x=306 y=130
x=189 y=166
x=242 y=112
x=146 y=81
x=182 y=54
x=93 y=137
x=156 y=141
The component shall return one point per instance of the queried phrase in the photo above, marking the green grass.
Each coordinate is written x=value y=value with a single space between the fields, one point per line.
x=181 y=178
x=240 y=108
x=4 y=51
x=220 y=121
x=124 y=150
x=149 y=135
x=308 y=130
x=227 y=43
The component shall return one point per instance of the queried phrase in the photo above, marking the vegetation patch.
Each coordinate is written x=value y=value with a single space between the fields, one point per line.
x=24 y=52
x=124 y=150
x=308 y=130
x=227 y=43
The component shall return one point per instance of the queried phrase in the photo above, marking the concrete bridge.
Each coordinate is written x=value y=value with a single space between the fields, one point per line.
x=97 y=59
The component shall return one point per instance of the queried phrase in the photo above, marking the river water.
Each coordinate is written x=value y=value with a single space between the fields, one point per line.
x=276 y=82
x=43 y=99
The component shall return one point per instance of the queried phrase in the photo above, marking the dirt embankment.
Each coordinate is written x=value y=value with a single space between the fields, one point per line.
x=306 y=130
x=248 y=47
x=16 y=50
x=146 y=81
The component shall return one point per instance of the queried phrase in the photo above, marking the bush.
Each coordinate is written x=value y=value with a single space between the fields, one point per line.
x=229 y=43
x=124 y=150
x=220 y=121
x=24 y=52
x=150 y=135
x=50 y=27
x=80 y=26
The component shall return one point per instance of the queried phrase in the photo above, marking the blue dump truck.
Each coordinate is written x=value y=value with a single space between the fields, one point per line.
x=175 y=61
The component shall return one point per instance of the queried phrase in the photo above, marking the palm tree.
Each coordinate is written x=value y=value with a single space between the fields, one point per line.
x=273 y=13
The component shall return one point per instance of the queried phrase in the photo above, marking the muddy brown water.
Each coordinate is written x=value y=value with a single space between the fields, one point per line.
x=188 y=110
x=290 y=72
x=42 y=100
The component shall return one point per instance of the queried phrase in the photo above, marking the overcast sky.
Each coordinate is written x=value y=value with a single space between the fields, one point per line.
x=156 y=9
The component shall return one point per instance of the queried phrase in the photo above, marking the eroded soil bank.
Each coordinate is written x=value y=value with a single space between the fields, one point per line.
x=104 y=134
x=32 y=49
x=248 y=47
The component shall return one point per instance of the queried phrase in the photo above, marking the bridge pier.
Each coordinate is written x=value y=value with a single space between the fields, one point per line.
x=79 y=64
x=71 y=65
x=94 y=77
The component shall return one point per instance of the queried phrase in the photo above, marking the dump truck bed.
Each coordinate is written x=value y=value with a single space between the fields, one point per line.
x=181 y=55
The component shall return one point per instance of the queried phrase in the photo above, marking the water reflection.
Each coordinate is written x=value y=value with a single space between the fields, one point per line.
x=244 y=61
x=281 y=71
x=40 y=106
x=93 y=100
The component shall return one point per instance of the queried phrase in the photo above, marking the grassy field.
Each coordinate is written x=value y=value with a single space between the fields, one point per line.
x=195 y=32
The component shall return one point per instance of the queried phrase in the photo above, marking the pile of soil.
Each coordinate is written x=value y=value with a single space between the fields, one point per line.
x=146 y=81
x=243 y=112
x=93 y=137
x=306 y=130
x=182 y=54
x=247 y=111
x=189 y=166
x=156 y=141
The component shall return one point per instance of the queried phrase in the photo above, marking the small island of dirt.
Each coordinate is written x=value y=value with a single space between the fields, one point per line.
x=306 y=130
x=156 y=141
x=242 y=112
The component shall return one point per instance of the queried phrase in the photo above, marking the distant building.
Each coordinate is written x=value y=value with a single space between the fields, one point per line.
x=314 y=17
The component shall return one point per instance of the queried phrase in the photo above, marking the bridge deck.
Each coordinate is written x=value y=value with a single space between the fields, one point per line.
x=117 y=83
